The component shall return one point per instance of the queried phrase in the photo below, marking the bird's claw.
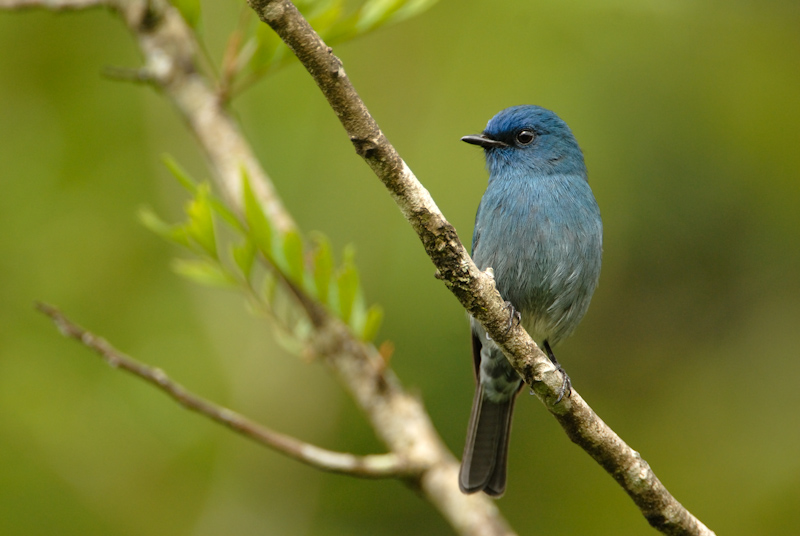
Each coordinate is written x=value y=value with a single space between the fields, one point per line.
x=513 y=314
x=566 y=385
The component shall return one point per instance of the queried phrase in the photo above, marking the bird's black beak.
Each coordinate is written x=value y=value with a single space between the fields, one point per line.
x=484 y=141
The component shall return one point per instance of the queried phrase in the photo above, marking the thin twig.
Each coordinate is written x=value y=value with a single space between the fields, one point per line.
x=398 y=418
x=126 y=74
x=473 y=288
x=371 y=466
x=56 y=5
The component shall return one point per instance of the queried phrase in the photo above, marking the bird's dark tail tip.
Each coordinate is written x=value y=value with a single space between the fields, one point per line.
x=483 y=467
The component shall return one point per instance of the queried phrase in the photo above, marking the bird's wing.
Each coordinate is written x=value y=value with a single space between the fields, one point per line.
x=476 y=354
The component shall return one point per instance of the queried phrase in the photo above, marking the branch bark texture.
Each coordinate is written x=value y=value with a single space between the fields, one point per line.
x=473 y=288
x=371 y=466
x=170 y=65
x=398 y=418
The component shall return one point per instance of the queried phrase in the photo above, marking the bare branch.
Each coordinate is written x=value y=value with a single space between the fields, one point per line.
x=474 y=289
x=170 y=65
x=398 y=418
x=372 y=466
x=55 y=5
x=170 y=53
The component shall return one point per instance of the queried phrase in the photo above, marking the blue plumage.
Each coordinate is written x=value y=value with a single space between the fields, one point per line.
x=538 y=227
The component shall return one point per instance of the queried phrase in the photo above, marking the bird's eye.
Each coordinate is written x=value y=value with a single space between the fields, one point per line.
x=525 y=137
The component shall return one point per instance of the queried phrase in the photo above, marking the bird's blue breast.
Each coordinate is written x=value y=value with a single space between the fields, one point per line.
x=541 y=234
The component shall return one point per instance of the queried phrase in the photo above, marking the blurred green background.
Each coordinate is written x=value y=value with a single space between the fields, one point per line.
x=689 y=117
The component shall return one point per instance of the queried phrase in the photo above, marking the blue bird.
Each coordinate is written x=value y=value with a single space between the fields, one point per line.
x=538 y=228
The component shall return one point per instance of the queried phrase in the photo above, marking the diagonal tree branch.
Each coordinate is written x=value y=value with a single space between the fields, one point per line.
x=473 y=288
x=170 y=65
x=371 y=466
x=58 y=5
x=170 y=53
x=398 y=418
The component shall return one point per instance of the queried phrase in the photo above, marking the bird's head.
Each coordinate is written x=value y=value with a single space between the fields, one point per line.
x=529 y=137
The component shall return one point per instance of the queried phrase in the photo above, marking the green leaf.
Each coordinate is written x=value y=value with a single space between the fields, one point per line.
x=179 y=173
x=244 y=255
x=269 y=287
x=260 y=228
x=190 y=10
x=343 y=30
x=201 y=221
x=204 y=271
x=230 y=218
x=323 y=268
x=375 y=13
x=325 y=15
x=335 y=23
x=269 y=50
x=244 y=56
x=171 y=233
x=358 y=315
x=411 y=8
x=190 y=184
x=302 y=330
x=293 y=254
x=372 y=323
x=347 y=286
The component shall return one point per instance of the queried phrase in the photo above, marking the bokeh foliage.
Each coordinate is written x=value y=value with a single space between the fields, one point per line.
x=689 y=116
x=291 y=270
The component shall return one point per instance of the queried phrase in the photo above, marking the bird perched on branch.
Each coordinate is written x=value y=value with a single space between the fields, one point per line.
x=538 y=228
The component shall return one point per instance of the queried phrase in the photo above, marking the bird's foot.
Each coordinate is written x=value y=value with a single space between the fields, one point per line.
x=566 y=384
x=513 y=314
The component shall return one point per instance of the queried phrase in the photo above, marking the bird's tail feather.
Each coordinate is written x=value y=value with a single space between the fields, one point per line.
x=483 y=467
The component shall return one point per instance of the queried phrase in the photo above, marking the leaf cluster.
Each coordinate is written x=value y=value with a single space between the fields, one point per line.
x=254 y=50
x=275 y=270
